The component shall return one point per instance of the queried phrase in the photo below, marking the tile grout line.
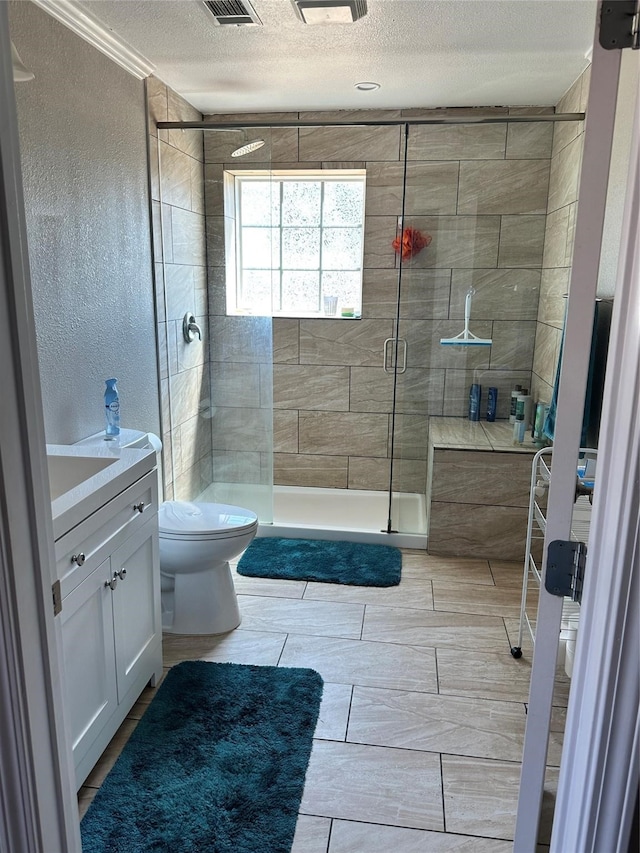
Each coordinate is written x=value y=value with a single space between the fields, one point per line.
x=346 y=731
x=444 y=811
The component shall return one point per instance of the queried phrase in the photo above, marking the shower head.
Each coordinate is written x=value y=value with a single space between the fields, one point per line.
x=248 y=148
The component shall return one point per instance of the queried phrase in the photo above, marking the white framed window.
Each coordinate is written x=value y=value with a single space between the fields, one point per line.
x=294 y=240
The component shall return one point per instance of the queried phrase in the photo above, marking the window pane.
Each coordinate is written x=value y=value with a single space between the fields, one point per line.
x=301 y=291
x=300 y=248
x=343 y=203
x=301 y=203
x=255 y=297
x=260 y=248
x=345 y=285
x=341 y=248
x=260 y=202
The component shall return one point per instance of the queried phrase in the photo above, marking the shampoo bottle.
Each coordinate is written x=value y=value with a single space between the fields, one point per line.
x=492 y=404
x=475 y=393
x=514 y=400
x=519 y=426
x=112 y=410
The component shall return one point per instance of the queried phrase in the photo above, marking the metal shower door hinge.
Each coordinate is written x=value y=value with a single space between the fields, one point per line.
x=565 y=568
x=619 y=24
x=57 y=598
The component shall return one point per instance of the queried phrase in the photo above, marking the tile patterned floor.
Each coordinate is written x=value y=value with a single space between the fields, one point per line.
x=423 y=713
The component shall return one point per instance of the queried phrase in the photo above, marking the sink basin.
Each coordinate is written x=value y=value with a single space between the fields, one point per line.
x=67 y=472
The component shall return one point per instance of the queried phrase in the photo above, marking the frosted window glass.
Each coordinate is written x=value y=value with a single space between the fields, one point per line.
x=301 y=290
x=301 y=248
x=341 y=249
x=256 y=292
x=345 y=285
x=343 y=203
x=260 y=248
x=260 y=203
x=301 y=202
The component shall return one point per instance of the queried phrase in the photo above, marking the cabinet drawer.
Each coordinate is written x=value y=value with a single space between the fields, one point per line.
x=93 y=539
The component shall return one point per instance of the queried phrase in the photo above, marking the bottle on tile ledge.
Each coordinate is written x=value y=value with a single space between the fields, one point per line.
x=514 y=399
x=519 y=427
x=112 y=410
x=492 y=404
x=475 y=393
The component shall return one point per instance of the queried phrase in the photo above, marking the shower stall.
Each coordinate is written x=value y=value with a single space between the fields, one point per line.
x=318 y=421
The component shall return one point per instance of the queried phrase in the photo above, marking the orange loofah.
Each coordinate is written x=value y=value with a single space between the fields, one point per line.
x=413 y=241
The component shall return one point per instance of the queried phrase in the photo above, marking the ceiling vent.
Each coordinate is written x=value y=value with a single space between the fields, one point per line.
x=232 y=13
x=330 y=11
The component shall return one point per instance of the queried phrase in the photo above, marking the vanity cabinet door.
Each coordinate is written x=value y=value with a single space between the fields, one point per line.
x=136 y=605
x=87 y=640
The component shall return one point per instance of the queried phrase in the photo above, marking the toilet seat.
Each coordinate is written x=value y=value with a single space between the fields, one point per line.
x=184 y=520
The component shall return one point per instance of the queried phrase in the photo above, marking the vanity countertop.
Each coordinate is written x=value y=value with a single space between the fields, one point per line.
x=83 y=479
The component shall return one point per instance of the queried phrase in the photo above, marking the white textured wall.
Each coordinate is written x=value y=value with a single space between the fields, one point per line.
x=83 y=146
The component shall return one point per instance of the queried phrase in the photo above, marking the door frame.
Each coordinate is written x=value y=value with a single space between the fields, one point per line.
x=38 y=805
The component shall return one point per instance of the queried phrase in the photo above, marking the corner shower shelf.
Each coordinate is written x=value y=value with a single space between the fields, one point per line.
x=537 y=525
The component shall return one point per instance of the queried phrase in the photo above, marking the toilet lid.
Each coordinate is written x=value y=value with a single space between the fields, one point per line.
x=197 y=519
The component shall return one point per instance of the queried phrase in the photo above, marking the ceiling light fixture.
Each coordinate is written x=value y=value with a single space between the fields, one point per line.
x=330 y=11
x=367 y=87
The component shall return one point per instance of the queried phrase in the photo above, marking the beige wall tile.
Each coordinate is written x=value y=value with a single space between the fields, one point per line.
x=242 y=339
x=547 y=348
x=157 y=105
x=242 y=429
x=317 y=471
x=541 y=390
x=512 y=186
x=521 y=241
x=180 y=291
x=458 y=382
x=343 y=433
x=565 y=174
x=556 y=239
x=457 y=433
x=553 y=288
x=481 y=478
x=234 y=384
x=195 y=441
x=477 y=531
x=285 y=341
x=281 y=144
x=457 y=241
x=411 y=436
x=318 y=387
x=238 y=466
x=196 y=352
x=565 y=132
x=342 y=342
x=187 y=237
x=187 y=389
x=424 y=293
x=197 y=186
x=510 y=294
x=379 y=234
x=214 y=189
x=531 y=111
x=457 y=142
x=417 y=391
x=175 y=171
x=529 y=140
x=425 y=350
x=285 y=431
x=431 y=188
x=513 y=343
x=409 y=475
x=349 y=143
x=189 y=485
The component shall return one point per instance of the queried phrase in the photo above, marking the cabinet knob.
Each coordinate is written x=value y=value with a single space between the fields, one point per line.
x=113 y=582
x=139 y=507
x=121 y=574
x=78 y=559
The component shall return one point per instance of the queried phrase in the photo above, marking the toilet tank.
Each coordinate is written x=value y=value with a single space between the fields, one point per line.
x=133 y=438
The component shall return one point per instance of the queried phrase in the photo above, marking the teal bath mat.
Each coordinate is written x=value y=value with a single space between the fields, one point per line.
x=216 y=765
x=350 y=563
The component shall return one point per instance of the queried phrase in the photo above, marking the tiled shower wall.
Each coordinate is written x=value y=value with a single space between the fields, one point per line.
x=480 y=191
x=181 y=286
x=568 y=138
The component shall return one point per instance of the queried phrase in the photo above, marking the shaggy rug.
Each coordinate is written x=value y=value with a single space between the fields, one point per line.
x=317 y=560
x=216 y=765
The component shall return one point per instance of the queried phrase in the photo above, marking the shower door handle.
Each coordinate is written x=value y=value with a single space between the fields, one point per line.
x=385 y=355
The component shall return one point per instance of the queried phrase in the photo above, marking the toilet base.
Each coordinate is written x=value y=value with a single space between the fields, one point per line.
x=203 y=603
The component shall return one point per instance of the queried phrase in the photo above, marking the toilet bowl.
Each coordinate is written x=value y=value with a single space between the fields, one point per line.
x=197 y=540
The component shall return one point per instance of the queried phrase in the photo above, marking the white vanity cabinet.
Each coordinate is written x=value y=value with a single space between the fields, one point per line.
x=108 y=568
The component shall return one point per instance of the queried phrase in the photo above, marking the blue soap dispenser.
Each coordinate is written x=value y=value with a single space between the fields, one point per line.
x=112 y=410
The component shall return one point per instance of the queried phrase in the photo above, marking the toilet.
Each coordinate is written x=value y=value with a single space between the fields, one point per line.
x=197 y=540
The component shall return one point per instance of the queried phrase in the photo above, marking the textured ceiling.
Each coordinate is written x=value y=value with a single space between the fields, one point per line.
x=424 y=53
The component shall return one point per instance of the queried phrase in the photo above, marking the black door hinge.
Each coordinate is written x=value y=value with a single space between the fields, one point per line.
x=565 y=568
x=619 y=24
